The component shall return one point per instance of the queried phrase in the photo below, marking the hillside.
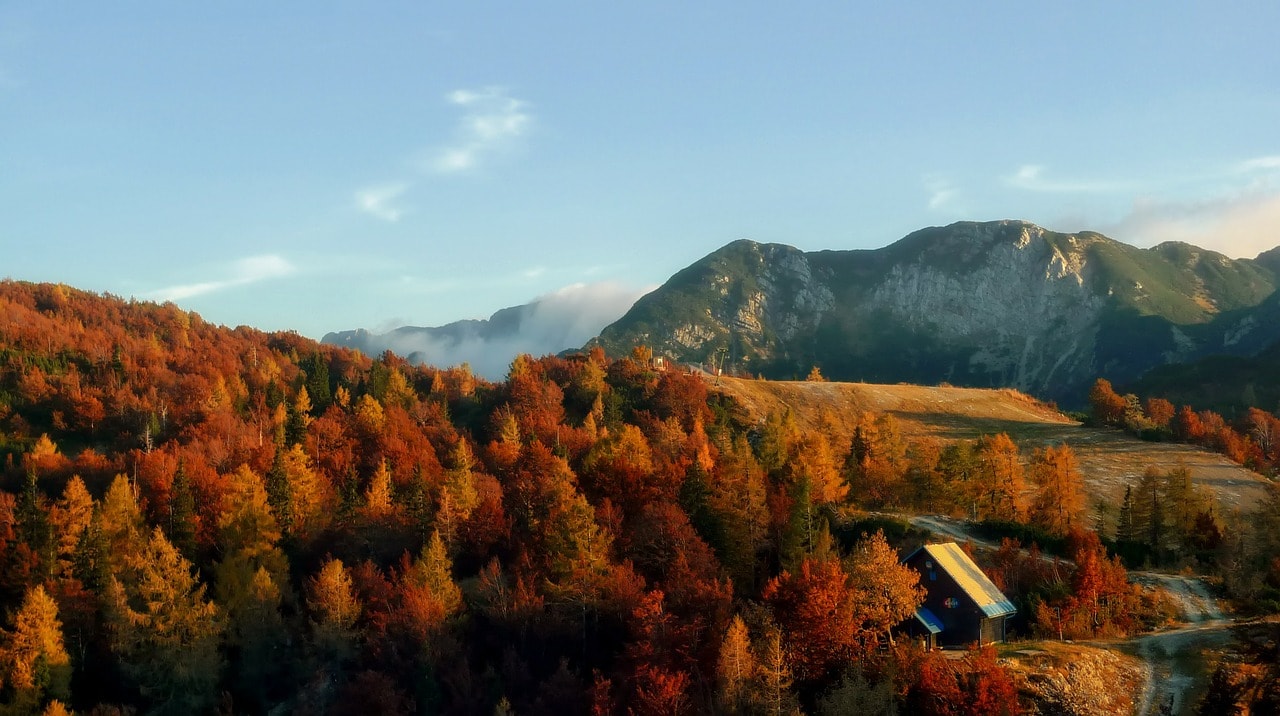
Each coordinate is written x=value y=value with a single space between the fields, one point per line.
x=980 y=304
x=1227 y=384
x=1109 y=458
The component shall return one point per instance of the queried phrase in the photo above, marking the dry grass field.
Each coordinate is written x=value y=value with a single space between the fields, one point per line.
x=1109 y=459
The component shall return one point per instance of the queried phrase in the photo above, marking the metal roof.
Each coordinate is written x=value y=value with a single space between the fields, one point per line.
x=951 y=559
x=929 y=620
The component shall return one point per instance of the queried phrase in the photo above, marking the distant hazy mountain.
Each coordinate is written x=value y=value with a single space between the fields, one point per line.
x=983 y=304
x=552 y=323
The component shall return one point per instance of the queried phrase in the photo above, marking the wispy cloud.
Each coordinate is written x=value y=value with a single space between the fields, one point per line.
x=492 y=121
x=942 y=193
x=1031 y=177
x=241 y=273
x=1269 y=163
x=379 y=201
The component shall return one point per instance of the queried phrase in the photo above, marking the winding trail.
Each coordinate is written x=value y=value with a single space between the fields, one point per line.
x=1170 y=677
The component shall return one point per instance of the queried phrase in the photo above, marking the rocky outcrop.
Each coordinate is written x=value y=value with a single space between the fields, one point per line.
x=1001 y=303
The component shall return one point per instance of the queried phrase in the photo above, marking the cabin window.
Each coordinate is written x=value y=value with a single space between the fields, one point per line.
x=951 y=603
x=933 y=576
x=928 y=564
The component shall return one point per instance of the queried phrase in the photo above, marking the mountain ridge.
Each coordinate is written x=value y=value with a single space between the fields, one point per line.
x=1004 y=303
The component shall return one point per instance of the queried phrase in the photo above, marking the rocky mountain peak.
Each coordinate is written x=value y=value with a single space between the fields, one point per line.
x=1005 y=303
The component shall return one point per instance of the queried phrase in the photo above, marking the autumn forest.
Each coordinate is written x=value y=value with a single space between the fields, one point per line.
x=196 y=519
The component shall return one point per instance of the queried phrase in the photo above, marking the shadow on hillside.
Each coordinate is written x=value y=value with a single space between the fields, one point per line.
x=965 y=427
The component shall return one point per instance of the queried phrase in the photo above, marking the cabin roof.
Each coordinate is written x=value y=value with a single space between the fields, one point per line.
x=929 y=620
x=985 y=595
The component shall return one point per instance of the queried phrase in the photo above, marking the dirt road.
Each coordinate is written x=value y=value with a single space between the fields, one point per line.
x=1176 y=658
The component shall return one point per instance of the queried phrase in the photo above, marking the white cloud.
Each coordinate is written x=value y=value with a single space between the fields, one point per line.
x=942 y=193
x=563 y=319
x=243 y=272
x=493 y=120
x=1269 y=163
x=377 y=201
x=1031 y=177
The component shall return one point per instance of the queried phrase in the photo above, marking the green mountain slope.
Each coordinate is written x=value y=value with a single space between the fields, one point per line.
x=981 y=304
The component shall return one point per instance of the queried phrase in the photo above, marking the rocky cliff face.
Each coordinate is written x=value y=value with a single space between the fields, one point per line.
x=1025 y=306
x=992 y=304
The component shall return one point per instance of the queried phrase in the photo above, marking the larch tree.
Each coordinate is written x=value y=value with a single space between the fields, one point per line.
x=70 y=516
x=814 y=460
x=877 y=461
x=735 y=668
x=738 y=495
x=959 y=467
x=460 y=479
x=885 y=591
x=122 y=523
x=248 y=538
x=775 y=677
x=334 y=608
x=429 y=595
x=310 y=496
x=778 y=435
x=164 y=631
x=377 y=497
x=1001 y=479
x=1060 y=502
x=32 y=656
x=578 y=555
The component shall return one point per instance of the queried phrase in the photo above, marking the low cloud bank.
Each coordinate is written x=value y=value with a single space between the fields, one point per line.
x=558 y=321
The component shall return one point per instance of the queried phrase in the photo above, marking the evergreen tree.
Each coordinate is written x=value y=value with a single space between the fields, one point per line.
x=257 y=635
x=34 y=529
x=297 y=418
x=797 y=538
x=279 y=495
x=319 y=389
x=90 y=563
x=695 y=499
x=1149 y=509
x=182 y=514
x=1125 y=527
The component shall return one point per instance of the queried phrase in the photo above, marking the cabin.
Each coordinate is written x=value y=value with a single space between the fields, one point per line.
x=962 y=606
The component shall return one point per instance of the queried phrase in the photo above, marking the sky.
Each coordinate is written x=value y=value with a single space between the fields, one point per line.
x=323 y=166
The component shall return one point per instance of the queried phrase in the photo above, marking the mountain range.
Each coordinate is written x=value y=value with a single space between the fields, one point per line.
x=1004 y=303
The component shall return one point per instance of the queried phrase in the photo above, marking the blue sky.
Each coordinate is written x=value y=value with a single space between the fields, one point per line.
x=324 y=166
